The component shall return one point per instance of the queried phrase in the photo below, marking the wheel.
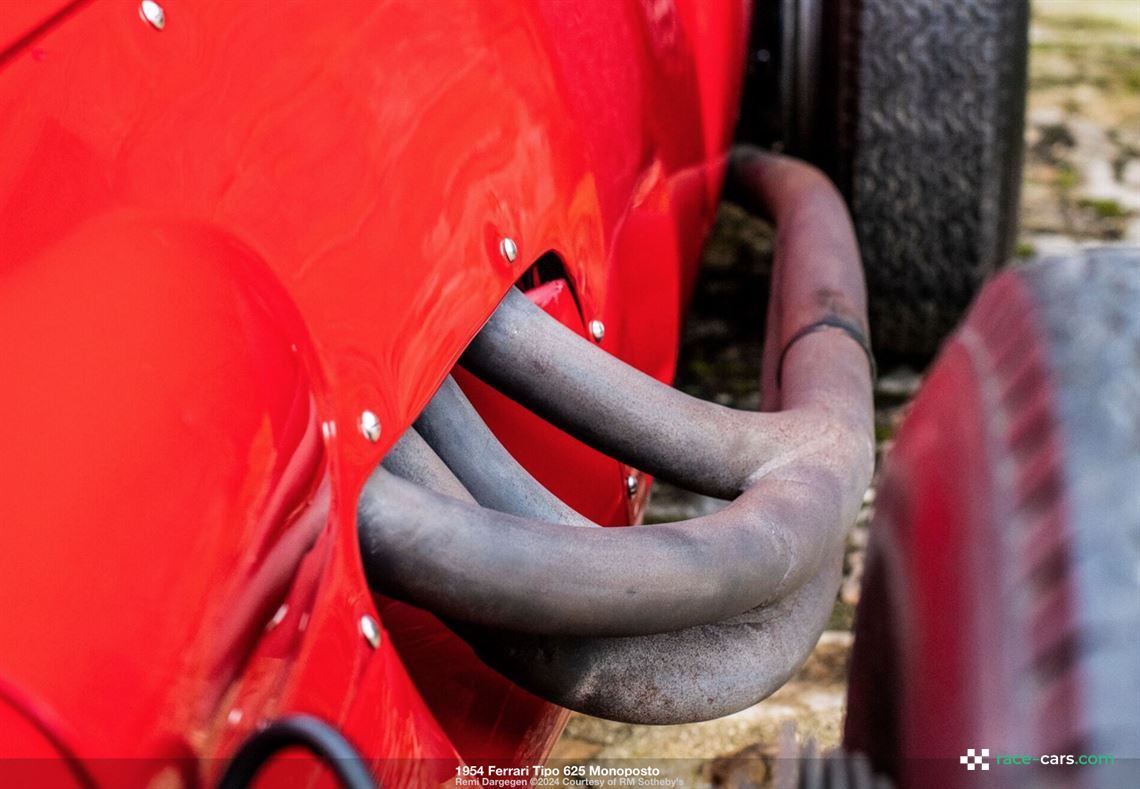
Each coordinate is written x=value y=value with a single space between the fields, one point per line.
x=1002 y=599
x=916 y=110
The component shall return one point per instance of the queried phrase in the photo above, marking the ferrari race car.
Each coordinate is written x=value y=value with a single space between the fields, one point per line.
x=337 y=351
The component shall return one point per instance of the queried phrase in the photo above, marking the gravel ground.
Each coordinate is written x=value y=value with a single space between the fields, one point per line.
x=1081 y=187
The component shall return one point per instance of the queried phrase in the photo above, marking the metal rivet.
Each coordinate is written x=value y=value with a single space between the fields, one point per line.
x=370 y=630
x=631 y=485
x=152 y=12
x=278 y=616
x=370 y=426
x=597 y=330
x=509 y=249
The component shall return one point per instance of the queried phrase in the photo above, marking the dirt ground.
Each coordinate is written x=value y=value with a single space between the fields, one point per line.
x=1081 y=186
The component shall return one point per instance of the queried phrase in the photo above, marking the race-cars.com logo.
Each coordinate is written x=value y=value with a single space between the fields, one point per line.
x=980 y=759
x=975 y=761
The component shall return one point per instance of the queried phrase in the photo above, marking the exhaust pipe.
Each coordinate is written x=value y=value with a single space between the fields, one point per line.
x=662 y=623
x=693 y=674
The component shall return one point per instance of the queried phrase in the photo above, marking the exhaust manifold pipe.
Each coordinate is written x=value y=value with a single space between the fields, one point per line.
x=664 y=623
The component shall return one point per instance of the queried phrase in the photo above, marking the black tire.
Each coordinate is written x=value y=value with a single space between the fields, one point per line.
x=1001 y=608
x=929 y=106
x=916 y=108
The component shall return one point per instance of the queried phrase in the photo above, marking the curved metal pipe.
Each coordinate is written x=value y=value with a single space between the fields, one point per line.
x=802 y=472
x=482 y=566
x=824 y=391
x=692 y=674
x=599 y=399
x=454 y=429
x=412 y=459
x=595 y=609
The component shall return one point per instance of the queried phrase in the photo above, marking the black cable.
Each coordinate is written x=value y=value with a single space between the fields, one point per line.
x=297 y=731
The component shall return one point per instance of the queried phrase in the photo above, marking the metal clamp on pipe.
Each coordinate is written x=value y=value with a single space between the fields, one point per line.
x=664 y=623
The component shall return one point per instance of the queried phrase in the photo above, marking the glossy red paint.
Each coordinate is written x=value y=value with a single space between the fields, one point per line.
x=582 y=477
x=936 y=521
x=222 y=242
x=945 y=510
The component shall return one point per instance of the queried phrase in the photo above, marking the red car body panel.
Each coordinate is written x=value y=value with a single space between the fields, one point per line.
x=221 y=243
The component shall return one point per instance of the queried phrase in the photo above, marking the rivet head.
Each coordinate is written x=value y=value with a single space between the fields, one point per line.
x=370 y=426
x=278 y=616
x=631 y=485
x=370 y=630
x=597 y=330
x=509 y=249
x=152 y=12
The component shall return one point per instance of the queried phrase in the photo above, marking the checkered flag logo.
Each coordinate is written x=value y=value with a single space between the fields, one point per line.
x=973 y=760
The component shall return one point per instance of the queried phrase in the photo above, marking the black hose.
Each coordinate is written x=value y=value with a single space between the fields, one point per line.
x=297 y=731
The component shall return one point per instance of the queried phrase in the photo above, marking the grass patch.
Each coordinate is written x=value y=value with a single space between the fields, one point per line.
x=1104 y=208
x=1131 y=79
x=1110 y=67
x=842 y=616
x=1066 y=178
x=883 y=432
x=1082 y=24
x=1047 y=81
